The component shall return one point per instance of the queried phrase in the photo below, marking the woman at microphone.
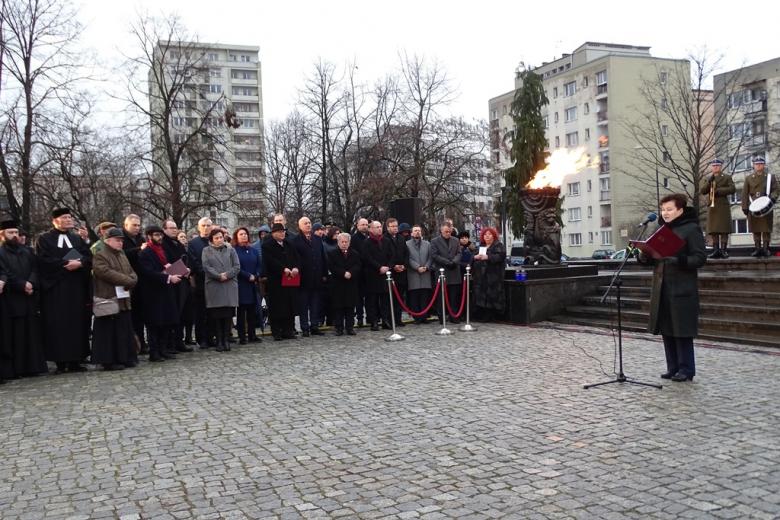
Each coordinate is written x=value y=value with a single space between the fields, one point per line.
x=674 y=301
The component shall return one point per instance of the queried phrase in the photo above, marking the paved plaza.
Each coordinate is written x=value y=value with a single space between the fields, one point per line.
x=494 y=424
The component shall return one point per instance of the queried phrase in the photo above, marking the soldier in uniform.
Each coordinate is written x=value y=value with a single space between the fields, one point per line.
x=756 y=186
x=717 y=188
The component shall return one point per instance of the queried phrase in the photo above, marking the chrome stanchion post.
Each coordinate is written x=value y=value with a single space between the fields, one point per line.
x=444 y=330
x=468 y=327
x=394 y=336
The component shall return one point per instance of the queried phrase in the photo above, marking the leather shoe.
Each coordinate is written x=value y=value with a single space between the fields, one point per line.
x=306 y=334
x=666 y=375
x=181 y=348
x=156 y=358
x=242 y=341
x=374 y=327
x=679 y=377
x=351 y=332
x=316 y=332
x=339 y=333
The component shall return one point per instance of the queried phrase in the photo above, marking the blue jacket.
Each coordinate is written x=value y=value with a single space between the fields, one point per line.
x=195 y=252
x=257 y=245
x=249 y=260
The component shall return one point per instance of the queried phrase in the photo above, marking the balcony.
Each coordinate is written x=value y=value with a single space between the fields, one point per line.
x=604 y=195
x=754 y=107
x=756 y=140
x=603 y=167
x=606 y=221
x=601 y=90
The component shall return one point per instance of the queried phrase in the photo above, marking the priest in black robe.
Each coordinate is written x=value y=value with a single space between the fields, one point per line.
x=64 y=263
x=281 y=262
x=19 y=307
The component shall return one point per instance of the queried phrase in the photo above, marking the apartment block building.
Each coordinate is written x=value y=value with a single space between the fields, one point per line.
x=594 y=94
x=751 y=95
x=227 y=77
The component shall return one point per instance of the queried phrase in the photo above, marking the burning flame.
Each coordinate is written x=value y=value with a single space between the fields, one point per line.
x=562 y=162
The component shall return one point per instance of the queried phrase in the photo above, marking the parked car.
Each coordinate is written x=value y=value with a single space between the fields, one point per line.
x=618 y=255
x=602 y=254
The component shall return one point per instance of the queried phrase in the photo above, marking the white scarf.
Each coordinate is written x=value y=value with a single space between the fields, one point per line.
x=63 y=239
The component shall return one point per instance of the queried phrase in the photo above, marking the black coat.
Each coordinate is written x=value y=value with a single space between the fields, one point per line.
x=373 y=256
x=159 y=302
x=344 y=293
x=674 y=301
x=281 y=300
x=18 y=266
x=400 y=256
x=132 y=248
x=313 y=264
x=489 y=278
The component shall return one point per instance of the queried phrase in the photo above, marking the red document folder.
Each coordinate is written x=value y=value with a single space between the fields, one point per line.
x=291 y=281
x=664 y=242
x=177 y=268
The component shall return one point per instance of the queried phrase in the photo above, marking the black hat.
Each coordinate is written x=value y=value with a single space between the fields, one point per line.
x=277 y=227
x=9 y=224
x=115 y=232
x=58 y=212
x=404 y=227
x=317 y=226
x=153 y=229
x=463 y=234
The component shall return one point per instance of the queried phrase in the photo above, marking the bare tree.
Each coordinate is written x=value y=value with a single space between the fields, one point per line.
x=39 y=65
x=168 y=88
x=678 y=129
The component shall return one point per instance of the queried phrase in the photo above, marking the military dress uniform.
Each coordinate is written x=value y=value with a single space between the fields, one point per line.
x=756 y=186
x=719 y=187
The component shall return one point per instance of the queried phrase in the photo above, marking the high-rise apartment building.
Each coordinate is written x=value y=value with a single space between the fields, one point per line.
x=224 y=79
x=751 y=95
x=594 y=94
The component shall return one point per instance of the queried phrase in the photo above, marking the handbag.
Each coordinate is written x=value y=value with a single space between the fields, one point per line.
x=104 y=306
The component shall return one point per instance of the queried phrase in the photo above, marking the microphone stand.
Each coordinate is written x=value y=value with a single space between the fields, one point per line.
x=618 y=282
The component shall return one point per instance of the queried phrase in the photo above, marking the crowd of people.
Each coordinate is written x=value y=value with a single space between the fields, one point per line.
x=159 y=292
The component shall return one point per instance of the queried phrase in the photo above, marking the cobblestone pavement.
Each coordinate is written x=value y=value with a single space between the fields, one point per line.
x=488 y=425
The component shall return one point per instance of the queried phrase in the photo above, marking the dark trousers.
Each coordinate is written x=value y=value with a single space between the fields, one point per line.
x=453 y=297
x=418 y=300
x=282 y=325
x=343 y=318
x=377 y=308
x=309 y=308
x=157 y=336
x=402 y=291
x=203 y=331
x=221 y=328
x=136 y=313
x=360 y=307
x=245 y=321
x=679 y=356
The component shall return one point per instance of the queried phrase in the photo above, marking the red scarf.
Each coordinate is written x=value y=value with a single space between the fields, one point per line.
x=158 y=250
x=376 y=238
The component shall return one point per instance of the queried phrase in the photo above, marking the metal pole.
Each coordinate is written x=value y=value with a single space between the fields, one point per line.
x=394 y=336
x=468 y=327
x=444 y=330
x=657 y=185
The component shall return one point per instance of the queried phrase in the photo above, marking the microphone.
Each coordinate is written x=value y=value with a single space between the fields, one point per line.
x=651 y=217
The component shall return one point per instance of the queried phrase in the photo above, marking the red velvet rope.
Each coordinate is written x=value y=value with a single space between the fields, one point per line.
x=462 y=301
x=411 y=312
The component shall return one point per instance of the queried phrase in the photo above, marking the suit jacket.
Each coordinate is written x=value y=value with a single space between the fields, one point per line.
x=419 y=258
x=400 y=256
x=312 y=258
x=446 y=254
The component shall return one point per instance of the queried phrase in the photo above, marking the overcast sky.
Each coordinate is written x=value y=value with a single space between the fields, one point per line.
x=479 y=43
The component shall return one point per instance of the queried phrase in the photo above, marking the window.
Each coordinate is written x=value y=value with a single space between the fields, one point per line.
x=244 y=91
x=178 y=121
x=232 y=57
x=572 y=139
x=664 y=130
x=736 y=197
x=585 y=81
x=215 y=89
x=604 y=162
x=243 y=74
x=742 y=162
x=570 y=114
x=555 y=92
x=586 y=109
x=587 y=134
x=494 y=114
x=555 y=117
x=246 y=107
x=213 y=56
x=590 y=211
x=664 y=104
x=546 y=122
x=666 y=157
x=246 y=58
x=573 y=189
x=569 y=89
x=666 y=182
x=575 y=215
x=215 y=73
x=662 y=77
x=740 y=225
x=606 y=238
x=575 y=239
x=557 y=142
x=503 y=110
x=601 y=77
x=250 y=123
x=590 y=186
x=590 y=237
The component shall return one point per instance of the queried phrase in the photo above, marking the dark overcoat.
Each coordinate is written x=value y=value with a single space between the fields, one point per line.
x=446 y=254
x=400 y=257
x=313 y=265
x=489 y=278
x=376 y=254
x=719 y=216
x=277 y=258
x=159 y=306
x=344 y=292
x=251 y=265
x=674 y=300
